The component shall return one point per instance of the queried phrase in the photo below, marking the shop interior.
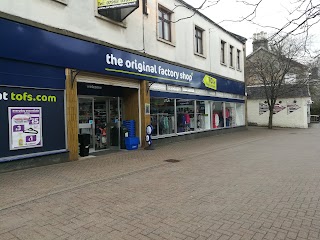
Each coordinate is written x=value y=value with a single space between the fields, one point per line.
x=102 y=118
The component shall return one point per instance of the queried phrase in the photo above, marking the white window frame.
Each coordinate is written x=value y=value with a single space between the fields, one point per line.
x=172 y=32
x=195 y=30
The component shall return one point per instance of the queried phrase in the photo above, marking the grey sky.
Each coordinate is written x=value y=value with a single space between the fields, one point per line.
x=270 y=13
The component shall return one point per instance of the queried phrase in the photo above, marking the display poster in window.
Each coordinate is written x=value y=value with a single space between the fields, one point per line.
x=292 y=108
x=25 y=127
x=263 y=108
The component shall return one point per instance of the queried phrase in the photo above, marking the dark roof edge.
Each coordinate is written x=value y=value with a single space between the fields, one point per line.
x=236 y=36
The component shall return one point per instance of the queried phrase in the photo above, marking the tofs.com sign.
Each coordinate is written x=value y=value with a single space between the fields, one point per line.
x=114 y=4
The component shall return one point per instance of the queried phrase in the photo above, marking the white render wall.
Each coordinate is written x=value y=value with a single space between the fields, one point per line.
x=79 y=16
x=296 y=119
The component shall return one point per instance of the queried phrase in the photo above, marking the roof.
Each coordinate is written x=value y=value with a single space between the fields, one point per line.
x=236 y=36
x=260 y=49
x=287 y=91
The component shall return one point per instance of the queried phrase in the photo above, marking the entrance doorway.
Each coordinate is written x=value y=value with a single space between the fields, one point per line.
x=101 y=117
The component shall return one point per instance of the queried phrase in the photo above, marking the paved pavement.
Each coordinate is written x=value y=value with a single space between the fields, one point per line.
x=256 y=184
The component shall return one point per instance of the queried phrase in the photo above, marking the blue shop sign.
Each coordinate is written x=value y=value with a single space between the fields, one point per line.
x=30 y=44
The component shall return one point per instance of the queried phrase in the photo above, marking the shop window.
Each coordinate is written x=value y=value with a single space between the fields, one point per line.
x=217 y=115
x=230 y=114
x=164 y=24
x=185 y=115
x=162 y=116
x=240 y=114
x=203 y=115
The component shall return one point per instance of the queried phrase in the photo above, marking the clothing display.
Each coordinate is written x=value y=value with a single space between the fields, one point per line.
x=162 y=123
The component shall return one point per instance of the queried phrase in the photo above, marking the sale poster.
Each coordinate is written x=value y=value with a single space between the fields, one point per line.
x=25 y=127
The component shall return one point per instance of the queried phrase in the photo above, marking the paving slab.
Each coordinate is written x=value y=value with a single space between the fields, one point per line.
x=255 y=184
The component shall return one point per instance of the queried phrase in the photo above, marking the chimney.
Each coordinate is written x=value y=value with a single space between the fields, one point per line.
x=260 y=40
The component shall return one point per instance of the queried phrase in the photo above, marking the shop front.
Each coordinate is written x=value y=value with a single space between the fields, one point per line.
x=89 y=88
x=177 y=111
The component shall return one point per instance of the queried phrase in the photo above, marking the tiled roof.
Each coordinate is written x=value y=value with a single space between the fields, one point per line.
x=287 y=91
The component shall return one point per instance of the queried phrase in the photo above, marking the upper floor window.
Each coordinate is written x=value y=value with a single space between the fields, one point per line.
x=231 y=56
x=164 y=24
x=199 y=40
x=222 y=53
x=238 y=59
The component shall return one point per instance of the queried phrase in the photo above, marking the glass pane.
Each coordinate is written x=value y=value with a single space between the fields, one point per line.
x=203 y=115
x=240 y=114
x=160 y=29
x=230 y=114
x=200 y=50
x=85 y=110
x=217 y=115
x=100 y=119
x=222 y=53
x=86 y=118
x=185 y=115
x=166 y=16
x=166 y=31
x=114 y=110
x=113 y=121
x=162 y=116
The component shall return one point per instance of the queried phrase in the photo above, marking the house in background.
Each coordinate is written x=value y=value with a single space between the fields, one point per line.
x=292 y=108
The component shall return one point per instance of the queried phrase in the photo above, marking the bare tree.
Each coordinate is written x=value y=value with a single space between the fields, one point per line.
x=302 y=15
x=271 y=68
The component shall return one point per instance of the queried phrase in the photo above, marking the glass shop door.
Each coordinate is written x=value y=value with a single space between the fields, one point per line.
x=101 y=118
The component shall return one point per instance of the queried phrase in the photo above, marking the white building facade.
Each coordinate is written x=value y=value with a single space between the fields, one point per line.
x=292 y=109
x=156 y=62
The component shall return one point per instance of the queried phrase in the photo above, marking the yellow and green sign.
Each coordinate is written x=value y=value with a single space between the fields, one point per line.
x=108 y=4
x=210 y=82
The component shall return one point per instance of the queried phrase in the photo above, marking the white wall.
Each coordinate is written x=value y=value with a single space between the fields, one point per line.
x=79 y=17
x=296 y=119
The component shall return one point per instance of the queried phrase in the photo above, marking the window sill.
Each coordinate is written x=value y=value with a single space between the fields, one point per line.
x=232 y=67
x=223 y=64
x=64 y=2
x=167 y=42
x=121 y=24
x=200 y=55
x=239 y=70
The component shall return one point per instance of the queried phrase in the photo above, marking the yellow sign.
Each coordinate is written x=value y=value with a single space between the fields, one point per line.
x=106 y=4
x=210 y=82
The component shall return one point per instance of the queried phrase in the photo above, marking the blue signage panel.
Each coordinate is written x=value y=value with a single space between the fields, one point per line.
x=23 y=42
x=18 y=73
x=23 y=129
